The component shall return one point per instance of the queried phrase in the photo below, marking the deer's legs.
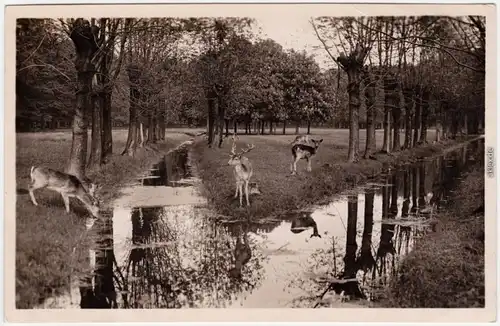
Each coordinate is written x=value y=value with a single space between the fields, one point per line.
x=31 y=189
x=237 y=189
x=240 y=186
x=246 y=193
x=308 y=164
x=66 y=201
x=294 y=165
x=34 y=185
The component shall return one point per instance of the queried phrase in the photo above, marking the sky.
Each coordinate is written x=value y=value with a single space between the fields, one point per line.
x=295 y=33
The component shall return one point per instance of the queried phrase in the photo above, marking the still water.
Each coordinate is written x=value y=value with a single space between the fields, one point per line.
x=178 y=256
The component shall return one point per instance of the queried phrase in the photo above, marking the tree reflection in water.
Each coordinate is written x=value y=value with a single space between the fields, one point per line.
x=97 y=290
x=183 y=259
x=405 y=231
x=366 y=261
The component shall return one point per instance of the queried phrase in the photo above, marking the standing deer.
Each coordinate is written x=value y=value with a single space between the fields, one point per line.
x=307 y=152
x=242 y=169
x=67 y=185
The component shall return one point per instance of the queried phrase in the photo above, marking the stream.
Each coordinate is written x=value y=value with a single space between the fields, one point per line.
x=161 y=247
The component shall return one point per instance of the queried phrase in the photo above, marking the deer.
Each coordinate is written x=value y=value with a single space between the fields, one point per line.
x=67 y=185
x=242 y=169
x=242 y=254
x=304 y=222
x=307 y=152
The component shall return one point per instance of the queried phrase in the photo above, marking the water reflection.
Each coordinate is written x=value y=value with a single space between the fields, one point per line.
x=303 y=222
x=178 y=256
x=98 y=289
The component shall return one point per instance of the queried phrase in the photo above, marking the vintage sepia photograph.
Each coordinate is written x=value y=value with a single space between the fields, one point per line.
x=232 y=160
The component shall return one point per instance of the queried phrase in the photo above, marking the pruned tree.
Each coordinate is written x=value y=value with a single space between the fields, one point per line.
x=356 y=41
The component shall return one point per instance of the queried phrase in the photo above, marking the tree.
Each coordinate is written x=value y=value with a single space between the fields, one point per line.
x=84 y=37
x=356 y=41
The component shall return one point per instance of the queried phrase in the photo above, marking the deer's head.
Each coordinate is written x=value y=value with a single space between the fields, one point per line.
x=234 y=157
x=316 y=143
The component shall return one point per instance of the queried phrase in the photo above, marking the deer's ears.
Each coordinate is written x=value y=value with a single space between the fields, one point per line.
x=320 y=141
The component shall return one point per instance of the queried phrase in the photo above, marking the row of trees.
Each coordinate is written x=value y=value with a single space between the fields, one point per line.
x=395 y=70
x=177 y=70
x=427 y=69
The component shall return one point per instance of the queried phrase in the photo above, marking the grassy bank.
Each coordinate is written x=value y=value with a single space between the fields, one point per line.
x=446 y=270
x=282 y=192
x=46 y=234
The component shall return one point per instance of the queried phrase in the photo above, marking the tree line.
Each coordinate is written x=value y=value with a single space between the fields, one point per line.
x=403 y=72
x=430 y=69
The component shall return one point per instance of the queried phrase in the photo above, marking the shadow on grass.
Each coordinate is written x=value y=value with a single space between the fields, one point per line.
x=22 y=191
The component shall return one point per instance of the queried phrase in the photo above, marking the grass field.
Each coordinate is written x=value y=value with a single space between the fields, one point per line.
x=283 y=192
x=46 y=234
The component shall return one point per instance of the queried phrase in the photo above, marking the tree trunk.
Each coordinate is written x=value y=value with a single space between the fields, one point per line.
x=284 y=127
x=131 y=145
x=84 y=38
x=107 y=127
x=162 y=124
x=97 y=105
x=418 y=113
x=78 y=154
x=439 y=122
x=425 y=114
x=398 y=104
x=211 y=118
x=308 y=127
x=387 y=130
x=466 y=126
x=220 y=117
x=143 y=134
x=454 y=123
x=150 y=127
x=270 y=127
x=409 y=102
x=262 y=126
x=371 y=117
x=353 y=88
x=297 y=127
x=227 y=127
x=235 y=125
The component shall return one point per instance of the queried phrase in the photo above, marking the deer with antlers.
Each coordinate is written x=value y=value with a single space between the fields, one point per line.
x=242 y=169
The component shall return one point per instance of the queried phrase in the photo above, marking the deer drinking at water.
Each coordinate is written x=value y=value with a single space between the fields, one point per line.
x=242 y=169
x=67 y=185
x=307 y=152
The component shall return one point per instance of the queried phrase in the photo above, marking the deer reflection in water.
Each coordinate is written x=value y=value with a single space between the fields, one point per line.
x=242 y=252
x=98 y=290
x=303 y=222
x=180 y=258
